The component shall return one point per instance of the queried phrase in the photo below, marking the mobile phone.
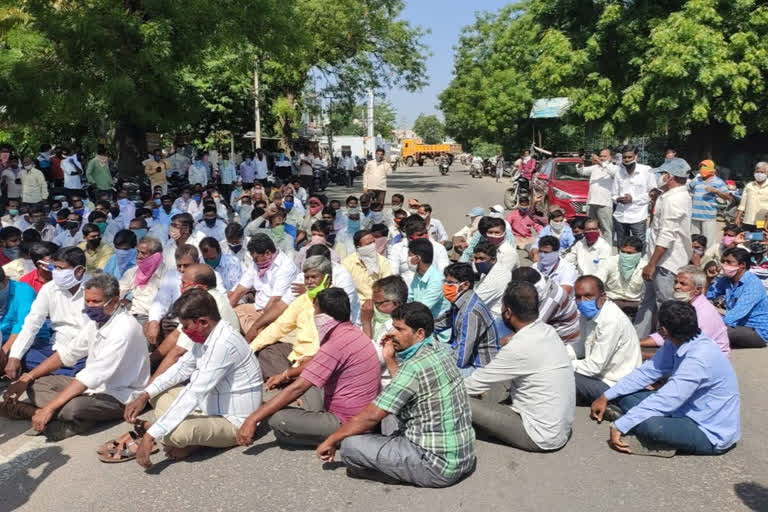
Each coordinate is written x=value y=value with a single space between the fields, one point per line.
x=754 y=236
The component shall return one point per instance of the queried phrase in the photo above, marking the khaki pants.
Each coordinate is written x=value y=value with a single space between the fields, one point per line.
x=247 y=314
x=197 y=429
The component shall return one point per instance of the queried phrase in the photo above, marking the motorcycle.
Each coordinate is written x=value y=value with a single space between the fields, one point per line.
x=476 y=168
x=444 y=167
x=319 y=178
x=520 y=187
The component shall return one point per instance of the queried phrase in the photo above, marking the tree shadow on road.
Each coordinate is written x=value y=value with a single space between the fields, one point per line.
x=753 y=495
x=16 y=481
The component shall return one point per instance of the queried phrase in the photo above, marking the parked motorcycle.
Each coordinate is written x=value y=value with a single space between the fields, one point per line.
x=319 y=179
x=476 y=168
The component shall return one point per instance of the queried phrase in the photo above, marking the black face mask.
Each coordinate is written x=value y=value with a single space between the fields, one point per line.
x=72 y=224
x=630 y=167
x=365 y=211
x=210 y=222
x=235 y=248
x=95 y=242
x=115 y=212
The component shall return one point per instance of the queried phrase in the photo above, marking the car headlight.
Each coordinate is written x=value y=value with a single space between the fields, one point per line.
x=560 y=194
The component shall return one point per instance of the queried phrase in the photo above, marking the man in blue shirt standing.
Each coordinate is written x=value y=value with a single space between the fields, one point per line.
x=746 y=304
x=695 y=412
x=706 y=188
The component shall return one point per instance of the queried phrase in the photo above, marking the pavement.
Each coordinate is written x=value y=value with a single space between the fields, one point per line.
x=37 y=475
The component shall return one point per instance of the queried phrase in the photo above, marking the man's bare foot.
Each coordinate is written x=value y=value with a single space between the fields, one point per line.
x=180 y=453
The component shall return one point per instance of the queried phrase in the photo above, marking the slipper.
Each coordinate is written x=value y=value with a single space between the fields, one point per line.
x=125 y=454
x=107 y=447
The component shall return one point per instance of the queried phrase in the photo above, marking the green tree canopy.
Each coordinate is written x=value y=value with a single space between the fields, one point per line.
x=429 y=128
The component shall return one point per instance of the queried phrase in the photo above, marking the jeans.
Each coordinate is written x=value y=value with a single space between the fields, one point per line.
x=624 y=230
x=660 y=289
x=588 y=389
x=745 y=337
x=679 y=433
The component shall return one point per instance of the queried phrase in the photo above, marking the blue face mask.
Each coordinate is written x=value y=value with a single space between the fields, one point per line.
x=483 y=267
x=588 y=308
x=140 y=233
x=158 y=201
x=548 y=260
x=288 y=205
x=126 y=258
x=196 y=198
x=408 y=353
x=97 y=313
x=353 y=226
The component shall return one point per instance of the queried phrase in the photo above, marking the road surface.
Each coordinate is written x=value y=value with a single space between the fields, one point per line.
x=585 y=475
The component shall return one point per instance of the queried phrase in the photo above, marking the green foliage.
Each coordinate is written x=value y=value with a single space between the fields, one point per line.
x=628 y=67
x=429 y=128
x=352 y=121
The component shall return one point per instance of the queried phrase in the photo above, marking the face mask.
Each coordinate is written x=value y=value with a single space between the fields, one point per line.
x=377 y=217
x=413 y=267
x=158 y=158
x=409 y=352
x=195 y=336
x=548 y=260
x=123 y=202
x=13 y=212
x=97 y=313
x=353 y=226
x=325 y=324
x=288 y=205
x=451 y=292
x=397 y=207
x=628 y=263
x=278 y=232
x=728 y=240
x=65 y=278
x=495 y=239
x=413 y=211
x=102 y=227
x=730 y=270
x=12 y=253
x=214 y=262
x=578 y=237
x=140 y=233
x=235 y=248
x=28 y=167
x=630 y=166
x=379 y=158
x=80 y=211
x=662 y=179
x=557 y=226
x=523 y=211
x=760 y=177
x=483 y=267
x=39 y=224
x=379 y=319
x=94 y=242
x=71 y=225
x=125 y=257
x=158 y=202
x=588 y=308
x=683 y=296
x=591 y=236
x=314 y=292
x=196 y=197
x=698 y=251
x=210 y=222
x=115 y=212
x=707 y=173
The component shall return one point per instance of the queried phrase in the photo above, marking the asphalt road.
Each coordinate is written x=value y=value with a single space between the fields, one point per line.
x=585 y=475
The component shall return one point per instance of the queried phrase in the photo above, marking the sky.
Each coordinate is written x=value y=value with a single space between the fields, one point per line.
x=445 y=18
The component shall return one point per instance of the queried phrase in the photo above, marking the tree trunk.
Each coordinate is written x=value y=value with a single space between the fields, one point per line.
x=286 y=121
x=131 y=142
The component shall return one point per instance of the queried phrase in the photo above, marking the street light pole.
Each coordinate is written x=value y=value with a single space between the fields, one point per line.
x=257 y=111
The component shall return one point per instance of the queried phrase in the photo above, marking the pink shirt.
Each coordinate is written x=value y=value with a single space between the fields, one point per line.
x=348 y=369
x=522 y=224
x=710 y=322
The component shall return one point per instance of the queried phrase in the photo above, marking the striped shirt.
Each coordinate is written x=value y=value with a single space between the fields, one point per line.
x=558 y=309
x=347 y=368
x=224 y=380
x=427 y=394
x=705 y=203
x=474 y=339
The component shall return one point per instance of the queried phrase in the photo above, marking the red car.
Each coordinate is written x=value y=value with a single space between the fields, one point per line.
x=565 y=187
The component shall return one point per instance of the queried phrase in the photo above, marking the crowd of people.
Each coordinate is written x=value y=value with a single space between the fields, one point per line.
x=364 y=328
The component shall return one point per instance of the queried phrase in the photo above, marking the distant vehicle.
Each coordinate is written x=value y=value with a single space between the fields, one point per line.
x=414 y=152
x=559 y=181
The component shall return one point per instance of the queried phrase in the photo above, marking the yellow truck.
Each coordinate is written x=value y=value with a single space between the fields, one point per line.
x=413 y=151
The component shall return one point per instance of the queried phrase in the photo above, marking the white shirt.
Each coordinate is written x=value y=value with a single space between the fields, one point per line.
x=217 y=231
x=611 y=347
x=65 y=312
x=564 y=274
x=600 y=183
x=378 y=336
x=543 y=391
x=671 y=228
x=340 y=278
x=347 y=163
x=71 y=180
x=198 y=174
x=491 y=288
x=638 y=185
x=228 y=315
x=437 y=231
x=506 y=254
x=118 y=360
x=9 y=177
x=169 y=250
x=588 y=259
x=618 y=288
x=261 y=168
x=398 y=259
x=224 y=380
x=142 y=296
x=275 y=283
x=169 y=291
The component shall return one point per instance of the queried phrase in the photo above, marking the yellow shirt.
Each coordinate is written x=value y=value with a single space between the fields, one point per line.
x=363 y=280
x=157 y=178
x=299 y=317
x=34 y=188
x=754 y=199
x=96 y=260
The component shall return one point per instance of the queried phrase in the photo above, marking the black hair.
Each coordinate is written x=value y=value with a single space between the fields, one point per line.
x=233 y=231
x=598 y=282
x=351 y=198
x=550 y=241
x=629 y=148
x=487 y=223
x=422 y=248
x=462 y=272
x=334 y=302
x=327 y=210
x=187 y=250
x=96 y=214
x=196 y=303
x=380 y=229
x=399 y=196
x=40 y=250
x=679 y=319
x=73 y=256
x=260 y=243
x=30 y=236
x=523 y=299
x=741 y=256
x=527 y=274
x=578 y=223
x=209 y=243
x=416 y=316
x=322 y=227
x=10 y=232
x=413 y=224
x=91 y=228
x=359 y=236
x=637 y=243
x=554 y=214
x=125 y=237
x=486 y=247
x=319 y=250
x=184 y=218
x=699 y=239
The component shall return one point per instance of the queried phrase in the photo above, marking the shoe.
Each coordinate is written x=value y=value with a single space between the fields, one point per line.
x=612 y=413
x=17 y=410
x=648 y=448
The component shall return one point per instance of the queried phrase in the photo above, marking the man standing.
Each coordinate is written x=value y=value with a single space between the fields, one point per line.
x=436 y=445
x=34 y=189
x=375 y=177
x=260 y=166
x=706 y=189
x=601 y=175
x=98 y=174
x=282 y=166
x=227 y=175
x=179 y=162
x=669 y=244
x=348 y=165
x=73 y=171
x=754 y=199
x=631 y=188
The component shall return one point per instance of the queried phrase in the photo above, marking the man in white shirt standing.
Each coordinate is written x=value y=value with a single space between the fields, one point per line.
x=348 y=165
x=260 y=167
x=375 y=177
x=116 y=369
x=669 y=244
x=601 y=175
x=73 y=170
x=631 y=188
x=225 y=385
x=610 y=343
x=589 y=253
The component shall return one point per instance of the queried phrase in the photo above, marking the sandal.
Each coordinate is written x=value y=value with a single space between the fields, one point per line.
x=124 y=454
x=138 y=432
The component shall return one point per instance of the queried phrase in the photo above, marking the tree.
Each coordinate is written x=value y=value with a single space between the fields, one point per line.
x=429 y=128
x=353 y=121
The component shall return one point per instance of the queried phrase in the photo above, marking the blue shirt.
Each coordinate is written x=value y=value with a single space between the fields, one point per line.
x=566 y=236
x=428 y=289
x=702 y=386
x=20 y=300
x=746 y=302
x=705 y=203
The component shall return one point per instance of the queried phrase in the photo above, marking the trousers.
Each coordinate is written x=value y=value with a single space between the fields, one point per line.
x=588 y=389
x=308 y=425
x=745 y=337
x=501 y=422
x=680 y=433
x=708 y=228
x=627 y=229
x=604 y=217
x=661 y=288
x=83 y=410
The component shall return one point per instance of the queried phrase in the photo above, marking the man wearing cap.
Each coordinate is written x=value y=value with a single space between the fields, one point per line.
x=669 y=242
x=462 y=237
x=706 y=189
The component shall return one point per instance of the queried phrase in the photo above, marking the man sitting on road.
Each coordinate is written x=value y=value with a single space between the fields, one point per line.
x=225 y=384
x=345 y=367
x=474 y=340
x=608 y=341
x=143 y=281
x=388 y=294
x=623 y=276
x=494 y=277
x=427 y=284
x=552 y=266
x=590 y=253
x=116 y=369
x=366 y=266
x=697 y=411
x=540 y=415
x=414 y=228
x=556 y=307
x=436 y=445
x=691 y=287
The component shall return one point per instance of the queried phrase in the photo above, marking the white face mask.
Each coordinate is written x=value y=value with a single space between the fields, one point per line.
x=65 y=278
x=29 y=167
x=760 y=177
x=683 y=296
x=412 y=266
x=662 y=179
x=369 y=257
x=556 y=226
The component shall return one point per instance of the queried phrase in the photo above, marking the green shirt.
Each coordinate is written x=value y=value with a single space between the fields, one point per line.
x=427 y=394
x=98 y=174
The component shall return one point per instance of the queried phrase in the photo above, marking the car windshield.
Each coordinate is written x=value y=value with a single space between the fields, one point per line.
x=568 y=171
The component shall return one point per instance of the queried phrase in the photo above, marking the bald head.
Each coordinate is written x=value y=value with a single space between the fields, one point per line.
x=200 y=274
